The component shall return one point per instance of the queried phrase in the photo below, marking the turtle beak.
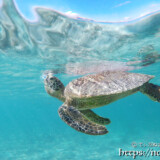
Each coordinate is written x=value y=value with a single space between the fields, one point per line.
x=47 y=78
x=46 y=81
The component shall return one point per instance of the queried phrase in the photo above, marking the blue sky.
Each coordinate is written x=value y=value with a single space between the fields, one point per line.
x=101 y=10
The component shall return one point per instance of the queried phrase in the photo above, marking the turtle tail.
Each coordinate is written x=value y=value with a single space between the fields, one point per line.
x=152 y=91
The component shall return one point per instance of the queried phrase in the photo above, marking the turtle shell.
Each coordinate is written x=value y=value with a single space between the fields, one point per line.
x=105 y=83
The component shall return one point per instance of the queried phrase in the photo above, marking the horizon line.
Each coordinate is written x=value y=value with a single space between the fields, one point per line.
x=78 y=17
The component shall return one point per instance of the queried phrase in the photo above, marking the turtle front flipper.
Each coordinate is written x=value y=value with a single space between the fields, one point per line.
x=89 y=114
x=75 y=119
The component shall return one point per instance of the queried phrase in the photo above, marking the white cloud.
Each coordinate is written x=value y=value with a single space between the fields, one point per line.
x=72 y=14
x=122 y=4
x=150 y=9
x=144 y=14
x=140 y=12
x=127 y=18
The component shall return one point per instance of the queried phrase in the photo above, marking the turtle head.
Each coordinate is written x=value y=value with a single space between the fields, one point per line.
x=54 y=86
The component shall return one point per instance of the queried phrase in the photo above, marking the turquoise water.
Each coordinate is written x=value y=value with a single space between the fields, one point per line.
x=30 y=128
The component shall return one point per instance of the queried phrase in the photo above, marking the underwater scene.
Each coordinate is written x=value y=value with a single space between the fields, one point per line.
x=69 y=48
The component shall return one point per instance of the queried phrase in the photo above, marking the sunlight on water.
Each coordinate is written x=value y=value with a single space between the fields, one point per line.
x=29 y=123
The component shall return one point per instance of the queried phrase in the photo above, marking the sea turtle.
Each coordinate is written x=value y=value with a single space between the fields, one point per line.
x=95 y=90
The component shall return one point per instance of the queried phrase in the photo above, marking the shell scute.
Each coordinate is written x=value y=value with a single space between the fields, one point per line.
x=105 y=83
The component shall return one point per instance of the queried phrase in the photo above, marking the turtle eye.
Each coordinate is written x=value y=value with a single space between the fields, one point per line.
x=51 y=78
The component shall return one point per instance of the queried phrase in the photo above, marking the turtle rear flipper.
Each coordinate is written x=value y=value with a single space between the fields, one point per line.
x=152 y=91
x=89 y=114
x=78 y=121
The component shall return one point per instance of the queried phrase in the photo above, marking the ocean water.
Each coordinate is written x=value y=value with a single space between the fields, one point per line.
x=30 y=128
